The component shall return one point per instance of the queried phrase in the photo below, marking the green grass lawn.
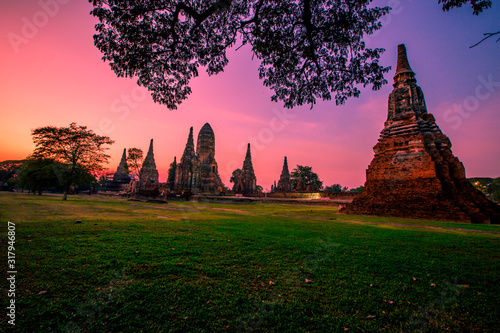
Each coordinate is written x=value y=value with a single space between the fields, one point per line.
x=201 y=267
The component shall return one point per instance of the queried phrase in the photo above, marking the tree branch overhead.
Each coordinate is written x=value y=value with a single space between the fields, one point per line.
x=308 y=49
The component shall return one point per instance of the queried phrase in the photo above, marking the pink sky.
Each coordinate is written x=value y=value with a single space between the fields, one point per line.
x=55 y=76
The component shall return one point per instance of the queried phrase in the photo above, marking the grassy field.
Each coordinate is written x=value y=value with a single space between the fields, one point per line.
x=199 y=267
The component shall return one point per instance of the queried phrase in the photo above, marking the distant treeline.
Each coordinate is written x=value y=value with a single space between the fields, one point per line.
x=489 y=186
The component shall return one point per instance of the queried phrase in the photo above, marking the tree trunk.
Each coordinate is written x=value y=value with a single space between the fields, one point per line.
x=65 y=194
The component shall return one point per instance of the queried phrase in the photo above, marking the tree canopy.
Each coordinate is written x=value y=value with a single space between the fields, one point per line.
x=307 y=176
x=77 y=151
x=39 y=174
x=308 y=50
x=9 y=171
x=336 y=188
x=478 y=6
x=234 y=176
x=489 y=186
x=134 y=161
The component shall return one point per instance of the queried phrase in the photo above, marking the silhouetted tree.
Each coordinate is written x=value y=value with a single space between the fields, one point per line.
x=489 y=186
x=134 y=161
x=9 y=172
x=77 y=150
x=234 y=176
x=478 y=6
x=39 y=174
x=307 y=176
x=494 y=190
x=336 y=188
x=357 y=189
x=307 y=49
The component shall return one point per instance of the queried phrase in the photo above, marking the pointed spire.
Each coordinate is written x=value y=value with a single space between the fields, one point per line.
x=285 y=167
x=122 y=170
x=149 y=173
x=150 y=150
x=190 y=137
x=149 y=160
x=284 y=183
x=403 y=69
x=189 y=152
x=248 y=152
x=249 y=179
x=247 y=164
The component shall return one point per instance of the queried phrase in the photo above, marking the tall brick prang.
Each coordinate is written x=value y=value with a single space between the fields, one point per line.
x=284 y=184
x=414 y=172
x=121 y=174
x=149 y=173
x=187 y=173
x=210 y=180
x=247 y=182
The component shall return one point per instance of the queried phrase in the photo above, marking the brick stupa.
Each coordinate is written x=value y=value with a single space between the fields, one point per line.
x=210 y=180
x=246 y=183
x=187 y=173
x=414 y=172
x=149 y=173
x=198 y=171
x=121 y=174
x=284 y=184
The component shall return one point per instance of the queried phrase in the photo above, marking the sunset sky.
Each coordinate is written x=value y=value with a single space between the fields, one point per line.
x=54 y=75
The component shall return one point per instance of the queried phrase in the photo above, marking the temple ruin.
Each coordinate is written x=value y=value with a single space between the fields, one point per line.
x=284 y=183
x=246 y=182
x=198 y=170
x=210 y=180
x=149 y=174
x=187 y=173
x=414 y=172
x=121 y=174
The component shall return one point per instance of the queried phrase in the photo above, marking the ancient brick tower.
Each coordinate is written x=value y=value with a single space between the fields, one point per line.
x=148 y=173
x=210 y=180
x=187 y=174
x=414 y=172
x=171 y=174
x=247 y=182
x=121 y=174
x=284 y=184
